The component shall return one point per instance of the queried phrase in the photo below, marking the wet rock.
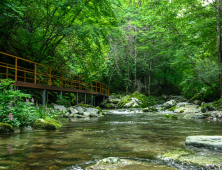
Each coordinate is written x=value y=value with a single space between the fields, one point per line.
x=197 y=102
x=86 y=114
x=215 y=114
x=47 y=123
x=6 y=128
x=200 y=116
x=177 y=98
x=188 y=109
x=59 y=108
x=72 y=110
x=207 y=108
x=181 y=104
x=114 y=101
x=150 y=109
x=169 y=104
x=211 y=142
x=133 y=103
x=80 y=109
x=112 y=163
x=92 y=110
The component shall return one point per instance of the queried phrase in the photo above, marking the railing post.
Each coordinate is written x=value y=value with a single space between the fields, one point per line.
x=100 y=87
x=35 y=74
x=79 y=84
x=16 y=66
x=7 y=72
x=61 y=81
x=71 y=81
x=91 y=85
x=25 y=75
x=50 y=77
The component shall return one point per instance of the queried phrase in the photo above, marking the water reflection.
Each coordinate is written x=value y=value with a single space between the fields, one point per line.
x=81 y=142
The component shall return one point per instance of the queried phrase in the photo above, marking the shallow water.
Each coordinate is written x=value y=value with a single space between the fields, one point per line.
x=82 y=142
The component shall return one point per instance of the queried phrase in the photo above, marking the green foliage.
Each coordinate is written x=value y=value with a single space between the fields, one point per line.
x=13 y=108
x=64 y=100
x=169 y=116
x=173 y=108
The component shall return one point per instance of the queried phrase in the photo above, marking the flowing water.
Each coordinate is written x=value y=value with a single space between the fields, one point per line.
x=79 y=143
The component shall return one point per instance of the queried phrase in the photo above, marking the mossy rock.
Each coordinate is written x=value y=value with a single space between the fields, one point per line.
x=142 y=100
x=6 y=128
x=150 y=109
x=47 y=123
x=169 y=116
x=100 y=110
x=173 y=108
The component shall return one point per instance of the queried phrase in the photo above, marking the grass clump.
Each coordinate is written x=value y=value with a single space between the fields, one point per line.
x=173 y=108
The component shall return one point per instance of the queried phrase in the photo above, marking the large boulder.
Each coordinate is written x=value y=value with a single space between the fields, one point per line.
x=169 y=104
x=112 y=163
x=47 y=123
x=211 y=142
x=135 y=100
x=6 y=128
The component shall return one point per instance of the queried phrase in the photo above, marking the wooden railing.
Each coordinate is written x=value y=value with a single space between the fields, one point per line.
x=42 y=74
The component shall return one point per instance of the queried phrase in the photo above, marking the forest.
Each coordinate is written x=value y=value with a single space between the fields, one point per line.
x=152 y=46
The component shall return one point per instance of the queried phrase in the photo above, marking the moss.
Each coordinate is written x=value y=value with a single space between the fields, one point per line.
x=182 y=111
x=100 y=110
x=163 y=108
x=217 y=103
x=169 y=116
x=173 y=108
x=141 y=97
x=150 y=109
x=6 y=128
x=47 y=123
x=178 y=153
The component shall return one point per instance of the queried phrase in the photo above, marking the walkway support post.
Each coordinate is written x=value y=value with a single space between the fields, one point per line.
x=94 y=101
x=44 y=98
x=91 y=99
x=77 y=94
x=85 y=98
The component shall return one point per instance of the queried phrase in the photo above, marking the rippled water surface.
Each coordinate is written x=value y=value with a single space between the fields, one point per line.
x=82 y=142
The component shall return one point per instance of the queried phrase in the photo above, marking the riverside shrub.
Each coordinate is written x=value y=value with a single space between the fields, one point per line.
x=15 y=107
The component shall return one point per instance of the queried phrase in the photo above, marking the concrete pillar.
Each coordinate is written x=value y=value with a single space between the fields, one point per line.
x=103 y=98
x=77 y=94
x=44 y=98
x=85 y=98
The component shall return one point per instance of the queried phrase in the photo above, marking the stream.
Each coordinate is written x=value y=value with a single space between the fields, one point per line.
x=125 y=133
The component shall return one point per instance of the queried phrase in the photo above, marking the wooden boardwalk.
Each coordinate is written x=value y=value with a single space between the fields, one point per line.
x=38 y=76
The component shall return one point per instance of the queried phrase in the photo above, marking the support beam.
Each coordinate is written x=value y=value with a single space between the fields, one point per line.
x=103 y=98
x=77 y=94
x=44 y=98
x=91 y=99
x=85 y=99
x=94 y=101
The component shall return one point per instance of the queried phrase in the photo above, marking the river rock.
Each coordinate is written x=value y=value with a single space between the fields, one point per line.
x=207 y=108
x=177 y=98
x=114 y=101
x=187 y=109
x=211 y=142
x=92 y=110
x=169 y=104
x=112 y=163
x=86 y=114
x=47 y=123
x=133 y=103
x=200 y=116
x=215 y=114
x=80 y=109
x=72 y=110
x=59 y=108
x=181 y=104
x=6 y=128
x=197 y=102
